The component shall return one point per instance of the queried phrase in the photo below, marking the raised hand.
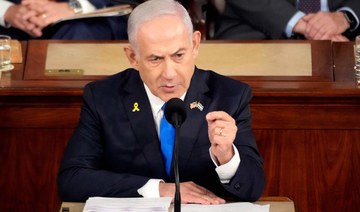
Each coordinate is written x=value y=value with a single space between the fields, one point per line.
x=222 y=132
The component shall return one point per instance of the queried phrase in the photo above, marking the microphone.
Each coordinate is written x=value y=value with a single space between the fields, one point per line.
x=175 y=114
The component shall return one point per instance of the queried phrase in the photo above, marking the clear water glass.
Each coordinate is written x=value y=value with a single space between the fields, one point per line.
x=357 y=59
x=5 y=53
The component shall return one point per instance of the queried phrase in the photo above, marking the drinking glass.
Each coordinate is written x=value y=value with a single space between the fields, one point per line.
x=5 y=53
x=357 y=59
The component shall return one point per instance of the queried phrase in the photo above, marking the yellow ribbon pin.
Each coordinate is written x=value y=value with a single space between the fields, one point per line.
x=136 y=107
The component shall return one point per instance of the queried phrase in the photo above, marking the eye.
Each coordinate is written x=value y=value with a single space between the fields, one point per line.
x=179 y=56
x=154 y=59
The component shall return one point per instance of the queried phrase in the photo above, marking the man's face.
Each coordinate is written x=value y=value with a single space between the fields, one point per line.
x=166 y=56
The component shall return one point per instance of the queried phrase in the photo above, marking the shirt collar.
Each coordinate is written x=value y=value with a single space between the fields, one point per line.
x=155 y=102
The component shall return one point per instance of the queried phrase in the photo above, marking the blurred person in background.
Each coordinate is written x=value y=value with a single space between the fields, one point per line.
x=336 y=20
x=28 y=19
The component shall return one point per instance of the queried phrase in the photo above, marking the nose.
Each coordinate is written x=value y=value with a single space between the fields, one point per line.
x=169 y=71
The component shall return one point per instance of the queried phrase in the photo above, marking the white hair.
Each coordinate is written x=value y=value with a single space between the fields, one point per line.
x=152 y=9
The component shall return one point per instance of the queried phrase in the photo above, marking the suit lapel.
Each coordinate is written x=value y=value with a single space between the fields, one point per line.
x=191 y=128
x=142 y=123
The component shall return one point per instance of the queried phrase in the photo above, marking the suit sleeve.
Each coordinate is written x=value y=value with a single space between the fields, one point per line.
x=249 y=180
x=106 y=3
x=82 y=163
x=354 y=5
x=268 y=16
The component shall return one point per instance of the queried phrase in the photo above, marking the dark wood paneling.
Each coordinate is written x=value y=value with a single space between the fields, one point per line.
x=306 y=112
x=39 y=117
x=318 y=169
x=344 y=61
x=30 y=161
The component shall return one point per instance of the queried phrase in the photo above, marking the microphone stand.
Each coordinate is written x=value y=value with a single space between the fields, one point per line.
x=177 y=199
x=175 y=113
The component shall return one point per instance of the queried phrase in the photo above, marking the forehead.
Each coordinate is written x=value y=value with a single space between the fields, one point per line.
x=163 y=32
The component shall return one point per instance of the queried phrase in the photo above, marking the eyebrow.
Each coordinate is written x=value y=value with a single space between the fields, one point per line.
x=181 y=49
x=177 y=52
x=153 y=56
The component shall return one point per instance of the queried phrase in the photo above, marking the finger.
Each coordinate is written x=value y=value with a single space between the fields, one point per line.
x=325 y=36
x=19 y=24
x=311 y=30
x=35 y=33
x=206 y=198
x=34 y=2
x=217 y=126
x=40 y=21
x=321 y=35
x=211 y=198
x=313 y=25
x=219 y=133
x=219 y=119
x=215 y=115
x=30 y=26
x=38 y=8
x=51 y=19
x=339 y=38
x=308 y=17
x=28 y=15
x=201 y=195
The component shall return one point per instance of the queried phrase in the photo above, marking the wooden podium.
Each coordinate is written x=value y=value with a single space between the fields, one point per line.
x=307 y=126
x=277 y=204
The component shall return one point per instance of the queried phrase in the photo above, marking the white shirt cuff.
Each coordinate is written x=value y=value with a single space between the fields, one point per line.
x=353 y=13
x=292 y=22
x=227 y=170
x=87 y=6
x=150 y=189
x=4 y=6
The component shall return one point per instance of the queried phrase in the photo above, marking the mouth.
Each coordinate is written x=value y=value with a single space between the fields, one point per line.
x=168 y=88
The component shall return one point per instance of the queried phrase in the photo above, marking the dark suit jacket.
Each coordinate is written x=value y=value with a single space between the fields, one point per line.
x=115 y=151
x=266 y=19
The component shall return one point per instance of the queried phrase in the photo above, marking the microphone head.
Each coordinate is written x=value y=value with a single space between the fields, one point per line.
x=175 y=112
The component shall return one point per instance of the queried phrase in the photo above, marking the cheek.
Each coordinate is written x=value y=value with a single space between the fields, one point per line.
x=188 y=73
x=150 y=77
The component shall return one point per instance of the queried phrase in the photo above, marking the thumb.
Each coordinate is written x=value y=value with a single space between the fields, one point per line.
x=308 y=17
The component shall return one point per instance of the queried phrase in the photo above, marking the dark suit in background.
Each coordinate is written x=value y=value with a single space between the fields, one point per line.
x=266 y=19
x=104 y=28
x=115 y=151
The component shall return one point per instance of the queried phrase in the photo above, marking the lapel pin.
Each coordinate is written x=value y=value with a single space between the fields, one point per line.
x=197 y=105
x=136 y=107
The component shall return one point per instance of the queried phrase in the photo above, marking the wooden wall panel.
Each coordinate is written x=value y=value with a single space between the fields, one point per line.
x=318 y=169
x=30 y=160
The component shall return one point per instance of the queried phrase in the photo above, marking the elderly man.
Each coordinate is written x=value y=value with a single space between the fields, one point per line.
x=116 y=150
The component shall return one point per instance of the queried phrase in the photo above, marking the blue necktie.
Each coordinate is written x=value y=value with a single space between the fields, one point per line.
x=309 y=6
x=167 y=135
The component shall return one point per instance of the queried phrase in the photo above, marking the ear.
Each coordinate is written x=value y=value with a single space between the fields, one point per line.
x=196 y=43
x=130 y=54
